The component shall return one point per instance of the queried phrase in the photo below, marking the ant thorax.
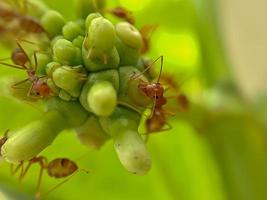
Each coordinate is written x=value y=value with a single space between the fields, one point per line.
x=31 y=73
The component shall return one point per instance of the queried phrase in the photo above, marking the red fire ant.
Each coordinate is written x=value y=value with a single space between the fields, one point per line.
x=122 y=13
x=146 y=32
x=27 y=23
x=39 y=87
x=57 y=168
x=155 y=91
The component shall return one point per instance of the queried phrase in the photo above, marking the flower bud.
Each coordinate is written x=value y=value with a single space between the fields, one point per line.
x=72 y=30
x=111 y=76
x=102 y=98
x=129 y=35
x=97 y=62
x=74 y=114
x=90 y=18
x=128 y=55
x=29 y=141
x=78 y=41
x=91 y=133
x=66 y=53
x=69 y=79
x=122 y=125
x=101 y=35
x=53 y=21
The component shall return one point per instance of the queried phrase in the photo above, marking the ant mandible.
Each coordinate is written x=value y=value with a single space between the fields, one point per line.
x=57 y=168
x=38 y=86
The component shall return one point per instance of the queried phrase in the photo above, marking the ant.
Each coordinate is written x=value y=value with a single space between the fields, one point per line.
x=38 y=86
x=27 y=23
x=3 y=140
x=122 y=13
x=57 y=168
x=146 y=33
x=155 y=91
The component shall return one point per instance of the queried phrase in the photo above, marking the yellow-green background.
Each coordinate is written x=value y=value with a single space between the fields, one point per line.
x=225 y=160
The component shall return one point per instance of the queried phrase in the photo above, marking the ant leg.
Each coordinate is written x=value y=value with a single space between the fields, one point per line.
x=43 y=164
x=38 y=195
x=13 y=66
x=14 y=171
x=19 y=83
x=30 y=90
x=153 y=108
x=151 y=65
x=22 y=49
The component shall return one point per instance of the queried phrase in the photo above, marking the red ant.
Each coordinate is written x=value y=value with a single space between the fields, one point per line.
x=3 y=140
x=57 y=168
x=122 y=13
x=155 y=91
x=146 y=32
x=38 y=86
x=27 y=23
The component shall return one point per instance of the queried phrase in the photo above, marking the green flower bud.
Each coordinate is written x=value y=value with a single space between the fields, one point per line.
x=64 y=95
x=78 y=41
x=101 y=35
x=122 y=125
x=102 y=98
x=50 y=68
x=85 y=7
x=55 y=90
x=42 y=60
x=130 y=95
x=55 y=39
x=69 y=79
x=91 y=133
x=29 y=141
x=71 y=30
x=53 y=21
x=128 y=55
x=129 y=35
x=66 y=53
x=74 y=114
x=108 y=75
x=96 y=62
x=90 y=18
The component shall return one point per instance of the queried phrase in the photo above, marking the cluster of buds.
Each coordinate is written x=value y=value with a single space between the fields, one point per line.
x=84 y=72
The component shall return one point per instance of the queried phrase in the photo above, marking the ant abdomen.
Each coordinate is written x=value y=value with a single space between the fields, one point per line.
x=19 y=57
x=61 y=167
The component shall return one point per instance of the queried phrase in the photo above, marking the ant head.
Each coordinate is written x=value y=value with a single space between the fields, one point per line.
x=155 y=91
x=19 y=57
x=40 y=88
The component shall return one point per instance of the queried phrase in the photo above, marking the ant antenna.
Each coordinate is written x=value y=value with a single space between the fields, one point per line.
x=151 y=65
x=39 y=195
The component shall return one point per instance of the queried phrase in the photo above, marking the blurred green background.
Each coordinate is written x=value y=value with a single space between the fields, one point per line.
x=215 y=151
